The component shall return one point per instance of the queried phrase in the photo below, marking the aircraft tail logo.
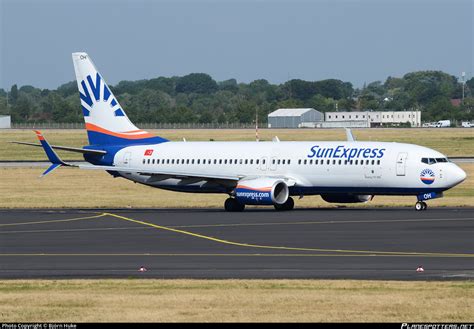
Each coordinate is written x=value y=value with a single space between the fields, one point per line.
x=106 y=121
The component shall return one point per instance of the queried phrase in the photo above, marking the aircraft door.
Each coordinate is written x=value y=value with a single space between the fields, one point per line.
x=401 y=163
x=127 y=158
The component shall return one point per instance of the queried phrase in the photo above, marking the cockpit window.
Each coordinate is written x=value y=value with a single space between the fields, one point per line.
x=433 y=160
x=428 y=160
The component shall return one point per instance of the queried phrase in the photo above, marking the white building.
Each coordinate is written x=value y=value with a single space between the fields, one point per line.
x=294 y=118
x=375 y=118
x=5 y=121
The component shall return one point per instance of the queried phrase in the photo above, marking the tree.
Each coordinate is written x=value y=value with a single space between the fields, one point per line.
x=196 y=83
x=423 y=86
x=13 y=94
x=299 y=89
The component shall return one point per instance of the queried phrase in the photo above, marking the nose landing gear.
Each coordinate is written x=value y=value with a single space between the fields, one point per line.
x=421 y=205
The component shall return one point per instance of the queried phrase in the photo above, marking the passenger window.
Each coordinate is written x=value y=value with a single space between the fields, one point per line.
x=304 y=162
x=289 y=161
x=256 y=161
x=333 y=162
x=378 y=162
x=316 y=161
x=340 y=161
x=373 y=162
x=148 y=161
x=357 y=162
x=220 y=161
x=143 y=161
x=246 y=161
x=299 y=161
x=251 y=161
x=283 y=161
x=328 y=161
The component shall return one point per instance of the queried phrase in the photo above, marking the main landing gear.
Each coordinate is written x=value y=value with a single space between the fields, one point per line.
x=288 y=205
x=421 y=205
x=233 y=205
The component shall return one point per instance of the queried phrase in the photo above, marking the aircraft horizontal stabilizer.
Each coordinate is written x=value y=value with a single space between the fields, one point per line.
x=66 y=148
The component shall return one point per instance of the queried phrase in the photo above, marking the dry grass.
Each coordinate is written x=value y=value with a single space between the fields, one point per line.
x=74 y=188
x=452 y=141
x=235 y=300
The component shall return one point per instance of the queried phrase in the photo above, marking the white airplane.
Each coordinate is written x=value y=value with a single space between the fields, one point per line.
x=251 y=173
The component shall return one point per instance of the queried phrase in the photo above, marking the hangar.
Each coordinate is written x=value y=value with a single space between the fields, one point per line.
x=5 y=121
x=294 y=118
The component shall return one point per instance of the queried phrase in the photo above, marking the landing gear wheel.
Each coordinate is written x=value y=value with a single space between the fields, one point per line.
x=288 y=205
x=233 y=205
x=420 y=205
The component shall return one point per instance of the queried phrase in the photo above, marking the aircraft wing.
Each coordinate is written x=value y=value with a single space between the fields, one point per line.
x=57 y=162
x=153 y=172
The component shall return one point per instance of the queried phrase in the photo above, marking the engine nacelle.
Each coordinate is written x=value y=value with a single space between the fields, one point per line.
x=345 y=198
x=262 y=191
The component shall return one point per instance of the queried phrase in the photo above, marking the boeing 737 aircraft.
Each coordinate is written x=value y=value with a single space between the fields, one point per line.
x=251 y=173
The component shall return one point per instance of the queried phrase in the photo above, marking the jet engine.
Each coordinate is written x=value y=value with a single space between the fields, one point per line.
x=346 y=198
x=262 y=191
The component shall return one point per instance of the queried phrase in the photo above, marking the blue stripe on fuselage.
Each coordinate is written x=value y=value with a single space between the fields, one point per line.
x=97 y=138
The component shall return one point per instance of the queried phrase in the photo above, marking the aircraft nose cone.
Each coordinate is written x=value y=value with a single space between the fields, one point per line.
x=459 y=175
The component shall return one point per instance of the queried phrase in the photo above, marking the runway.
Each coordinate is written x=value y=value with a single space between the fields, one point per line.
x=344 y=243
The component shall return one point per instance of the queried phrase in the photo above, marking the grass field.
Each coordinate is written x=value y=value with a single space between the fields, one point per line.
x=73 y=188
x=449 y=141
x=235 y=300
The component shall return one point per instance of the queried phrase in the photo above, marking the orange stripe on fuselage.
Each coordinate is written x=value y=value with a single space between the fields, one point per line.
x=263 y=189
x=126 y=134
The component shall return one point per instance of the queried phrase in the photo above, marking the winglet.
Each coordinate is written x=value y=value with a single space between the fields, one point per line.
x=349 y=135
x=50 y=153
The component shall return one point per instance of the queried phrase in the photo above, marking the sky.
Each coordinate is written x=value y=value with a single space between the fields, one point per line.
x=359 y=41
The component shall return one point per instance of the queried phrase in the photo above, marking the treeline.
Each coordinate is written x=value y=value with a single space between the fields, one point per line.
x=197 y=98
